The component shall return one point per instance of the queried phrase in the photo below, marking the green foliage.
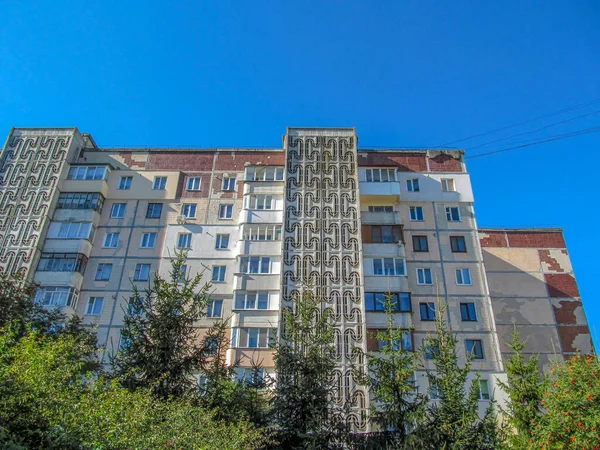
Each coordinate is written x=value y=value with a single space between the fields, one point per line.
x=160 y=348
x=303 y=396
x=572 y=407
x=390 y=377
x=47 y=400
x=453 y=421
x=525 y=389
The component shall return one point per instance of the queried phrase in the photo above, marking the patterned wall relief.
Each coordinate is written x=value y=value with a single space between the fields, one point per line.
x=322 y=245
x=30 y=167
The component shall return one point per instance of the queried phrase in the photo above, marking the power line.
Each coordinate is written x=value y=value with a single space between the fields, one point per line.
x=542 y=141
x=556 y=113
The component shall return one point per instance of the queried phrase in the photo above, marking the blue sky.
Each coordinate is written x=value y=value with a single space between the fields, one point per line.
x=404 y=73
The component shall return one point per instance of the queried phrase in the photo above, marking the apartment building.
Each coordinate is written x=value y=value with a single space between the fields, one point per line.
x=263 y=225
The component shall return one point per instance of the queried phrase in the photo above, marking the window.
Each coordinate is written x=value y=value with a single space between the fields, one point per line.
x=193 y=184
x=70 y=230
x=261 y=233
x=62 y=262
x=252 y=300
x=474 y=348
x=255 y=264
x=484 y=390
x=215 y=308
x=80 y=200
x=103 y=272
x=420 y=244
x=427 y=311
x=400 y=301
x=184 y=240
x=118 y=210
x=57 y=296
x=252 y=337
x=154 y=210
x=249 y=375
x=405 y=343
x=412 y=185
x=228 y=183
x=463 y=277
x=387 y=233
x=87 y=173
x=189 y=210
x=222 y=241
x=381 y=209
x=111 y=240
x=225 y=211
x=159 y=183
x=182 y=273
x=125 y=183
x=430 y=351
x=452 y=214
x=94 y=307
x=467 y=312
x=260 y=202
x=264 y=174
x=142 y=272
x=389 y=266
x=448 y=185
x=219 y=273
x=148 y=240
x=434 y=390
x=457 y=244
x=424 y=276
x=381 y=175
x=416 y=213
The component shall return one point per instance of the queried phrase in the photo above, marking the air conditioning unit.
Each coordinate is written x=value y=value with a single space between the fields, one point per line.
x=180 y=219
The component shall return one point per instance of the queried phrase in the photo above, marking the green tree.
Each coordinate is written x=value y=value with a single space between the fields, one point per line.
x=452 y=422
x=303 y=408
x=390 y=377
x=525 y=387
x=160 y=346
x=572 y=407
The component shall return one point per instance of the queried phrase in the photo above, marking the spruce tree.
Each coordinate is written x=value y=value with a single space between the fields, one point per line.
x=160 y=349
x=525 y=388
x=452 y=421
x=303 y=405
x=390 y=377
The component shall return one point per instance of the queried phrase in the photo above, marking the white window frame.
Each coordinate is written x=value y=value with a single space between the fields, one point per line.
x=210 y=312
x=226 y=211
x=193 y=184
x=160 y=183
x=260 y=202
x=460 y=277
x=412 y=185
x=142 y=269
x=125 y=183
x=92 y=306
x=184 y=240
x=221 y=272
x=116 y=209
x=57 y=296
x=380 y=175
x=102 y=269
x=70 y=230
x=257 y=173
x=449 y=211
x=381 y=209
x=424 y=271
x=83 y=172
x=219 y=241
x=250 y=300
x=147 y=239
x=399 y=267
x=186 y=210
x=415 y=217
x=112 y=239
x=448 y=185
x=254 y=232
x=264 y=334
x=246 y=263
x=228 y=184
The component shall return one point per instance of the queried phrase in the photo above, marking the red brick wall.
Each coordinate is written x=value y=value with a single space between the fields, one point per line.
x=236 y=161
x=444 y=163
x=534 y=239
x=561 y=285
x=493 y=239
x=403 y=161
x=184 y=161
x=568 y=334
x=128 y=160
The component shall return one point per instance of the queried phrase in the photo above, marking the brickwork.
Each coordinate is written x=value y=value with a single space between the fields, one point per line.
x=573 y=338
x=237 y=161
x=403 y=161
x=189 y=161
x=535 y=239
x=445 y=163
x=552 y=264
x=565 y=313
x=133 y=162
x=492 y=238
x=561 y=285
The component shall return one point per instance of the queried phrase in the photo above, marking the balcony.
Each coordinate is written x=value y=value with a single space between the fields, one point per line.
x=379 y=320
x=380 y=218
x=82 y=246
x=71 y=279
x=100 y=186
x=261 y=216
x=390 y=189
x=260 y=247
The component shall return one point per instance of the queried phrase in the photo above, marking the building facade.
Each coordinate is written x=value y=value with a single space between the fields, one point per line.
x=263 y=225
